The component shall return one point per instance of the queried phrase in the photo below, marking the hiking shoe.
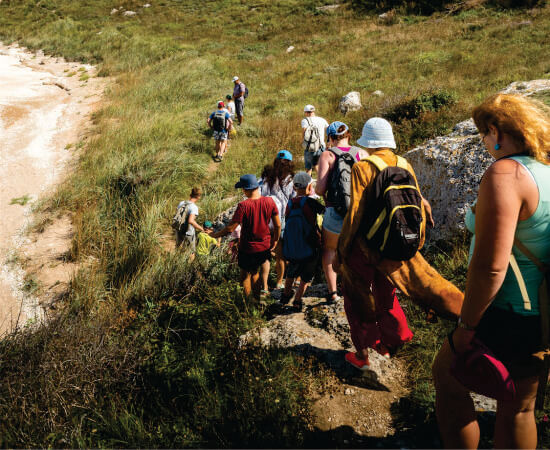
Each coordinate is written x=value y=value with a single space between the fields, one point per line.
x=285 y=298
x=298 y=305
x=360 y=364
x=333 y=297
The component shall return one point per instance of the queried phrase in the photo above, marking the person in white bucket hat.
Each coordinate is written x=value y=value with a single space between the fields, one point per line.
x=367 y=289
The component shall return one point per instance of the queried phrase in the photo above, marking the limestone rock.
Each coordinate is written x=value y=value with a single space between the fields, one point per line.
x=449 y=168
x=114 y=11
x=327 y=7
x=378 y=93
x=290 y=49
x=129 y=13
x=350 y=102
x=147 y=5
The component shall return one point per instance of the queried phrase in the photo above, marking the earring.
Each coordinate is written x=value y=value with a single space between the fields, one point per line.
x=497 y=146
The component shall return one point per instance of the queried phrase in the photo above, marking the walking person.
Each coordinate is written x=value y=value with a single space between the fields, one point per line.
x=189 y=211
x=240 y=92
x=277 y=182
x=302 y=239
x=220 y=121
x=256 y=242
x=313 y=137
x=328 y=185
x=510 y=222
x=375 y=317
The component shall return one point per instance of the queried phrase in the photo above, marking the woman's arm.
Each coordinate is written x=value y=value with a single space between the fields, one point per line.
x=325 y=162
x=498 y=208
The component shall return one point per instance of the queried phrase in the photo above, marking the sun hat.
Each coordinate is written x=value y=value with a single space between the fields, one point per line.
x=248 y=182
x=208 y=224
x=284 y=154
x=301 y=180
x=235 y=79
x=221 y=104
x=309 y=108
x=228 y=96
x=377 y=133
x=332 y=129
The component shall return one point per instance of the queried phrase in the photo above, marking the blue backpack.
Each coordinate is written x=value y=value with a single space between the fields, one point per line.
x=296 y=240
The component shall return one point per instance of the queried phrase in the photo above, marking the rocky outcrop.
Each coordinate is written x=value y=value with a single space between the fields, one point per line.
x=449 y=169
x=350 y=102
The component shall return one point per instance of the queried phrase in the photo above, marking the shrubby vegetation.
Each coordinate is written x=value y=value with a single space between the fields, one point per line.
x=144 y=351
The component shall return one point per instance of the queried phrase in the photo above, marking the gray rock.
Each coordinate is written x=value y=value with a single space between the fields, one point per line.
x=290 y=49
x=350 y=102
x=327 y=8
x=114 y=11
x=147 y=5
x=129 y=13
x=449 y=169
x=378 y=93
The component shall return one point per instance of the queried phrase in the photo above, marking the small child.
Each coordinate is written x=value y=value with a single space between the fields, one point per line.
x=206 y=243
x=301 y=240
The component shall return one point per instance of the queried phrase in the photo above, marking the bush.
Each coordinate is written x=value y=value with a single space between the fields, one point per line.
x=413 y=108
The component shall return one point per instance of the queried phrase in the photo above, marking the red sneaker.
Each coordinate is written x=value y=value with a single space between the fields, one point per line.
x=361 y=364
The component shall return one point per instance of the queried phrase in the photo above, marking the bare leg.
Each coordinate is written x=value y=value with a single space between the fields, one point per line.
x=279 y=263
x=301 y=290
x=218 y=148
x=264 y=274
x=330 y=241
x=288 y=287
x=246 y=281
x=454 y=407
x=223 y=147
x=256 y=285
x=515 y=426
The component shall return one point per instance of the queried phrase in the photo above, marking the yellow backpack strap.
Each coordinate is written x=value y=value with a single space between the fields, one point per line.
x=402 y=163
x=377 y=161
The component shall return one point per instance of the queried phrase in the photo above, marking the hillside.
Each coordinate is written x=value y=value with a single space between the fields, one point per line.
x=144 y=350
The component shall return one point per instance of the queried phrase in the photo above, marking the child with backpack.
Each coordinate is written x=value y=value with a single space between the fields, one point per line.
x=301 y=240
x=333 y=184
x=220 y=122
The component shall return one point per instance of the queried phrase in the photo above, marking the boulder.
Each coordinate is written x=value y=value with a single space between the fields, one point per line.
x=147 y=5
x=449 y=169
x=129 y=13
x=114 y=11
x=327 y=7
x=350 y=102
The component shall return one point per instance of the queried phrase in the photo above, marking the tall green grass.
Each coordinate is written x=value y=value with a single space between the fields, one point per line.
x=145 y=351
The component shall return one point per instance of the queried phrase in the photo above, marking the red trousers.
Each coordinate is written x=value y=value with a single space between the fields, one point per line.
x=389 y=326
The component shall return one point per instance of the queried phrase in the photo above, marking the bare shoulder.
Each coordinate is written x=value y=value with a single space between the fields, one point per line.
x=506 y=168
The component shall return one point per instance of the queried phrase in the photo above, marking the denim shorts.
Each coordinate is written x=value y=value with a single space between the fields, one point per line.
x=311 y=158
x=332 y=221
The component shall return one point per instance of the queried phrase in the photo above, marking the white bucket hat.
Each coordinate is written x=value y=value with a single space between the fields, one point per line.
x=309 y=108
x=377 y=133
x=235 y=79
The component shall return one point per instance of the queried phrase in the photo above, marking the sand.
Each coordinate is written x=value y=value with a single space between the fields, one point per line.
x=43 y=112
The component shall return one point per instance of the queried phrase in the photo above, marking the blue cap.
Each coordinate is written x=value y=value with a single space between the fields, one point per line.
x=332 y=129
x=284 y=154
x=207 y=224
x=248 y=182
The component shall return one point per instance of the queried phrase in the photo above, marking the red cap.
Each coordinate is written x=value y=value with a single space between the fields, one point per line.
x=222 y=104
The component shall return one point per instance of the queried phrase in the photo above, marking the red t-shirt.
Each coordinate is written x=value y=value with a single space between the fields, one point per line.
x=254 y=216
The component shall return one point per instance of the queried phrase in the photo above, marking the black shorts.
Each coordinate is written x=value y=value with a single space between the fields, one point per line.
x=251 y=262
x=304 y=268
x=514 y=339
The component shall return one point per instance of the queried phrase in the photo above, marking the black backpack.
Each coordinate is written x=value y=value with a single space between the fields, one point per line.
x=339 y=188
x=393 y=215
x=218 y=121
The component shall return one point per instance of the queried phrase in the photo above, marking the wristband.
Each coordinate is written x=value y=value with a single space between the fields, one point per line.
x=461 y=324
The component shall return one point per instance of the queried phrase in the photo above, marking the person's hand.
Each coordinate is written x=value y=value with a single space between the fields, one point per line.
x=273 y=245
x=462 y=339
x=209 y=232
x=428 y=210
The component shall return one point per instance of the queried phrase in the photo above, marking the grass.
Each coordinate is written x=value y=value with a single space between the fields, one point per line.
x=145 y=352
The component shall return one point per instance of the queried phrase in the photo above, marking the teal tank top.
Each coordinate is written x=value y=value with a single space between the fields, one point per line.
x=535 y=234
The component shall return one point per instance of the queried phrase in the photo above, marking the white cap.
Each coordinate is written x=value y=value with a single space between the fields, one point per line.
x=377 y=133
x=235 y=79
x=309 y=108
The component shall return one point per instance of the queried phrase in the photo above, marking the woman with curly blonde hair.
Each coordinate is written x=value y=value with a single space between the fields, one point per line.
x=513 y=205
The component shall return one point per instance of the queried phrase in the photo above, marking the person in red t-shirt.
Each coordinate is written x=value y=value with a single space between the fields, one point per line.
x=255 y=245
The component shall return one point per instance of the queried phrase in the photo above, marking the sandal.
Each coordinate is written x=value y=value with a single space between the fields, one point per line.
x=285 y=298
x=333 y=297
x=298 y=305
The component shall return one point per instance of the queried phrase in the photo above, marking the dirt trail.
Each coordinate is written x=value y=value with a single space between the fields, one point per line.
x=45 y=105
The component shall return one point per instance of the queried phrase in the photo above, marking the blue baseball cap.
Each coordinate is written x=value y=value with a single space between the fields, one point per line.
x=332 y=129
x=284 y=154
x=248 y=182
x=208 y=224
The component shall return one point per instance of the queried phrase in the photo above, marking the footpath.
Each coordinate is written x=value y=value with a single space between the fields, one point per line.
x=45 y=104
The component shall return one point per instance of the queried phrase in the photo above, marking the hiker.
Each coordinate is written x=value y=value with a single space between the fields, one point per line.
x=276 y=182
x=502 y=304
x=374 y=315
x=240 y=92
x=256 y=242
x=302 y=239
x=220 y=121
x=185 y=222
x=334 y=165
x=230 y=106
x=313 y=137
x=205 y=242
